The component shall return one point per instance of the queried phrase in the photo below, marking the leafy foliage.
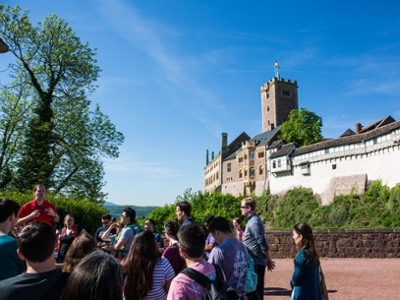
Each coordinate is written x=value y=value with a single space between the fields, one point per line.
x=302 y=128
x=49 y=135
x=378 y=207
x=85 y=212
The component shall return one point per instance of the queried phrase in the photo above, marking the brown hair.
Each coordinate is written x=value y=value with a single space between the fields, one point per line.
x=139 y=265
x=80 y=247
x=307 y=242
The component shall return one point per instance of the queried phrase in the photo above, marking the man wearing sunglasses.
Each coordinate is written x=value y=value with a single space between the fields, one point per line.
x=38 y=209
x=106 y=221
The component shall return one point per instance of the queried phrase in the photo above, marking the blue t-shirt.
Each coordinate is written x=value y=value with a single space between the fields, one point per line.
x=231 y=256
x=10 y=263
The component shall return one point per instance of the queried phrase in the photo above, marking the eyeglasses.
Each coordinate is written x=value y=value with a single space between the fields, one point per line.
x=244 y=207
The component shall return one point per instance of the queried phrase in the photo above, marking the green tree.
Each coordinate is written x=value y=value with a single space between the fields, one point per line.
x=64 y=140
x=302 y=128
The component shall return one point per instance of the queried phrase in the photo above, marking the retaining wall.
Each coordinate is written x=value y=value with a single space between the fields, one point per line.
x=360 y=243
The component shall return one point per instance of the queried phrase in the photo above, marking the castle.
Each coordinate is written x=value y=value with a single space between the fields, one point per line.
x=331 y=167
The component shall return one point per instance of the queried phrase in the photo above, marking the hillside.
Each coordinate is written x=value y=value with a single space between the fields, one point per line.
x=116 y=210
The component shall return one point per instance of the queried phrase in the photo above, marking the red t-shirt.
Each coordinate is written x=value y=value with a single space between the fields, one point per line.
x=31 y=206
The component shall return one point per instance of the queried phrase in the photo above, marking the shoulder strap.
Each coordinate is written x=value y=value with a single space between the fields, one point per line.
x=218 y=272
x=197 y=276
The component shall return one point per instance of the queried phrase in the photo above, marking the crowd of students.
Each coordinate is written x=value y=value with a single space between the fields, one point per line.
x=125 y=261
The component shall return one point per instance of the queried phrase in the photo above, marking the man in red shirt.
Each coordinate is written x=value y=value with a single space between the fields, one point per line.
x=38 y=209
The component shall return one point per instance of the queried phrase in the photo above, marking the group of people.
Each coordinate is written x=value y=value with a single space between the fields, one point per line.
x=125 y=261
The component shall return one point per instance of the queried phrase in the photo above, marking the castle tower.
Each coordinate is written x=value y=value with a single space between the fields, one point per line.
x=278 y=98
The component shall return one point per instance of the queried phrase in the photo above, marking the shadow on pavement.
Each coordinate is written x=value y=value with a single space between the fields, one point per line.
x=277 y=291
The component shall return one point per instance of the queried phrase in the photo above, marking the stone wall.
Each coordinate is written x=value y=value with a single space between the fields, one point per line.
x=369 y=243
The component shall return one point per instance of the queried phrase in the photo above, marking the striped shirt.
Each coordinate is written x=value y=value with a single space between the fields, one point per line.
x=162 y=273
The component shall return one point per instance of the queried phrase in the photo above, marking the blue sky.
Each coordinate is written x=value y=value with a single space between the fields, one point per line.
x=176 y=74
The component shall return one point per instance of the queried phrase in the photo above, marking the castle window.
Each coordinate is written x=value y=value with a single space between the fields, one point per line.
x=228 y=169
x=261 y=154
x=279 y=163
x=240 y=159
x=273 y=164
x=252 y=172
x=286 y=93
x=267 y=95
x=260 y=170
x=245 y=156
x=251 y=156
x=267 y=108
x=245 y=172
x=334 y=167
x=240 y=174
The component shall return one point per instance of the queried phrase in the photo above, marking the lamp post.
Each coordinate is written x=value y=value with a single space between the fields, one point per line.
x=3 y=46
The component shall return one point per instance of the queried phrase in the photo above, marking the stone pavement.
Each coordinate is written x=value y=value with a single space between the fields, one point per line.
x=346 y=279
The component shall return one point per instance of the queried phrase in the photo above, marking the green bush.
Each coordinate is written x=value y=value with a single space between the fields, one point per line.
x=86 y=213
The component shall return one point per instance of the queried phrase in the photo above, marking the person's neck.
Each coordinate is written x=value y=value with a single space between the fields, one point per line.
x=5 y=228
x=185 y=218
x=191 y=261
x=39 y=201
x=48 y=265
x=172 y=241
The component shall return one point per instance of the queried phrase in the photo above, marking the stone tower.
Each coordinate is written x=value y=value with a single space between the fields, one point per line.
x=278 y=98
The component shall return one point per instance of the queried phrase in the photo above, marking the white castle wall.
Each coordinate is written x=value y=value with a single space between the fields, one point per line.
x=351 y=166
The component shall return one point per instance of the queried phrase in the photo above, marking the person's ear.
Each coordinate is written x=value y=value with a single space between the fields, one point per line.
x=20 y=255
x=182 y=253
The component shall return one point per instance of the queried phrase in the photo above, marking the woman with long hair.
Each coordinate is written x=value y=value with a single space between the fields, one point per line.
x=68 y=233
x=306 y=283
x=171 y=252
x=148 y=276
x=98 y=276
x=80 y=247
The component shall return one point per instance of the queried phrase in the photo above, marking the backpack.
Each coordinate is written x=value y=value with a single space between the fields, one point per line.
x=216 y=289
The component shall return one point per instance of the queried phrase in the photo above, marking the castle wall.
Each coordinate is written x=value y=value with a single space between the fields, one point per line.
x=368 y=243
x=339 y=173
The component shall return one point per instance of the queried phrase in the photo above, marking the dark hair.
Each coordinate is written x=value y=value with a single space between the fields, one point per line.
x=80 y=247
x=185 y=207
x=307 y=242
x=98 y=276
x=220 y=224
x=7 y=208
x=139 y=265
x=106 y=217
x=192 y=240
x=36 y=241
x=131 y=213
x=249 y=201
x=152 y=222
x=238 y=220
x=172 y=228
x=208 y=219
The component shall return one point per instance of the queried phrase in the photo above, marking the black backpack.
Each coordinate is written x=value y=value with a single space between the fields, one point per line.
x=216 y=289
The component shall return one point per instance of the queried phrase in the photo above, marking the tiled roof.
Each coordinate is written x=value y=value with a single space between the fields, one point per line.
x=283 y=151
x=263 y=138
x=380 y=123
x=349 y=139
